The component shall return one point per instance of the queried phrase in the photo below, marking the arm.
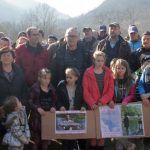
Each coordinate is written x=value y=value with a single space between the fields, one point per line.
x=86 y=93
x=108 y=96
x=17 y=131
x=131 y=95
x=141 y=85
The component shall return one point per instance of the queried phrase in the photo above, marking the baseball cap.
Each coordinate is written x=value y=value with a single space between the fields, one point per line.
x=114 y=24
x=86 y=29
x=102 y=28
x=132 y=29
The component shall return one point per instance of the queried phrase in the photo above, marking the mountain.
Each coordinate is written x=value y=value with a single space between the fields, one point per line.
x=123 y=11
x=13 y=10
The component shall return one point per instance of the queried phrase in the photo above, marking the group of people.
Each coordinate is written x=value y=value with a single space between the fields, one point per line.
x=69 y=74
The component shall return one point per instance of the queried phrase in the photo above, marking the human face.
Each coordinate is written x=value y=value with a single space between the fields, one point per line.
x=18 y=105
x=4 y=44
x=133 y=36
x=71 y=78
x=114 y=31
x=45 y=80
x=51 y=40
x=72 y=39
x=99 y=61
x=34 y=37
x=7 y=58
x=121 y=70
x=88 y=35
x=146 y=41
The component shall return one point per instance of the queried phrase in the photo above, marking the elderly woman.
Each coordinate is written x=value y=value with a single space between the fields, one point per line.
x=12 y=81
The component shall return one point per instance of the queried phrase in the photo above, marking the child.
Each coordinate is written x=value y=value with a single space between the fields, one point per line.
x=124 y=93
x=98 y=86
x=145 y=60
x=69 y=93
x=144 y=86
x=42 y=99
x=16 y=123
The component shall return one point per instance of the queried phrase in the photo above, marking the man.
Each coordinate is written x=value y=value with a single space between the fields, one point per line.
x=31 y=56
x=51 y=39
x=143 y=51
x=114 y=45
x=134 y=40
x=69 y=53
x=102 y=32
x=5 y=42
x=89 y=43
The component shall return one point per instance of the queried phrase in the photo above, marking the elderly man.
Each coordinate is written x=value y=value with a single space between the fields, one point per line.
x=68 y=54
x=31 y=56
x=114 y=45
x=143 y=51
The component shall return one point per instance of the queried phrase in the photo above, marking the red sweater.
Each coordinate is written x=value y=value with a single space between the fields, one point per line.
x=31 y=63
x=91 y=91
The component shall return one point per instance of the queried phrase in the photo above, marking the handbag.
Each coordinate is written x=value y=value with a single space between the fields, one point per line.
x=10 y=140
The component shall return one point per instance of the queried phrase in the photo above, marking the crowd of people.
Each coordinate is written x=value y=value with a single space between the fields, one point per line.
x=72 y=73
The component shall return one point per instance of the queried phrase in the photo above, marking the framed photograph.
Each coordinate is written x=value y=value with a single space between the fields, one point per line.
x=110 y=121
x=70 y=122
x=132 y=120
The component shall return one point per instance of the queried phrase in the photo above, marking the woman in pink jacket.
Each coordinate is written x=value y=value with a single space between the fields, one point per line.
x=98 y=86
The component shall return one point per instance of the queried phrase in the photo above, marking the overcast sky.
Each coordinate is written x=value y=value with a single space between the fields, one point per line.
x=73 y=7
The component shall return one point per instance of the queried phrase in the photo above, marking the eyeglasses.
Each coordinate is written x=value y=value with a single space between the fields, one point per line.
x=68 y=77
x=36 y=34
x=72 y=36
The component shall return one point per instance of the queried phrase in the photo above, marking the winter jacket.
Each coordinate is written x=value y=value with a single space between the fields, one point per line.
x=34 y=103
x=65 y=58
x=31 y=61
x=135 y=58
x=129 y=93
x=122 y=48
x=63 y=97
x=134 y=45
x=16 y=87
x=91 y=91
x=18 y=132
x=144 y=82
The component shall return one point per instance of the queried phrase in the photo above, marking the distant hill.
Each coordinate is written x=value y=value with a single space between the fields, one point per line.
x=13 y=10
x=123 y=11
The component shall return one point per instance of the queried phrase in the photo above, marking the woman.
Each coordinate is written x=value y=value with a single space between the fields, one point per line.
x=11 y=77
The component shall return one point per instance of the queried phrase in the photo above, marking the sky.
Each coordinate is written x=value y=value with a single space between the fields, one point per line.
x=73 y=8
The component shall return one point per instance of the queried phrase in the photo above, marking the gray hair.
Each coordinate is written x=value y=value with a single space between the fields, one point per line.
x=71 y=29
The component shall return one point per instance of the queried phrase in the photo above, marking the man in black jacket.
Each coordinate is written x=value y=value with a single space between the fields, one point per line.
x=70 y=53
x=114 y=45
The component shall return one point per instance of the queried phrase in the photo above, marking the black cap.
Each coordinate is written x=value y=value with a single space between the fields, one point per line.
x=146 y=33
x=87 y=29
x=144 y=58
x=52 y=37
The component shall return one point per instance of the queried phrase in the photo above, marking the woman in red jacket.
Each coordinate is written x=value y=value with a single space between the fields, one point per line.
x=98 y=86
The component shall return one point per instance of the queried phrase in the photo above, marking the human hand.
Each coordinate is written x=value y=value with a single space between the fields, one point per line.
x=146 y=102
x=62 y=108
x=94 y=107
x=52 y=110
x=83 y=109
x=41 y=111
x=111 y=104
x=124 y=103
x=145 y=96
